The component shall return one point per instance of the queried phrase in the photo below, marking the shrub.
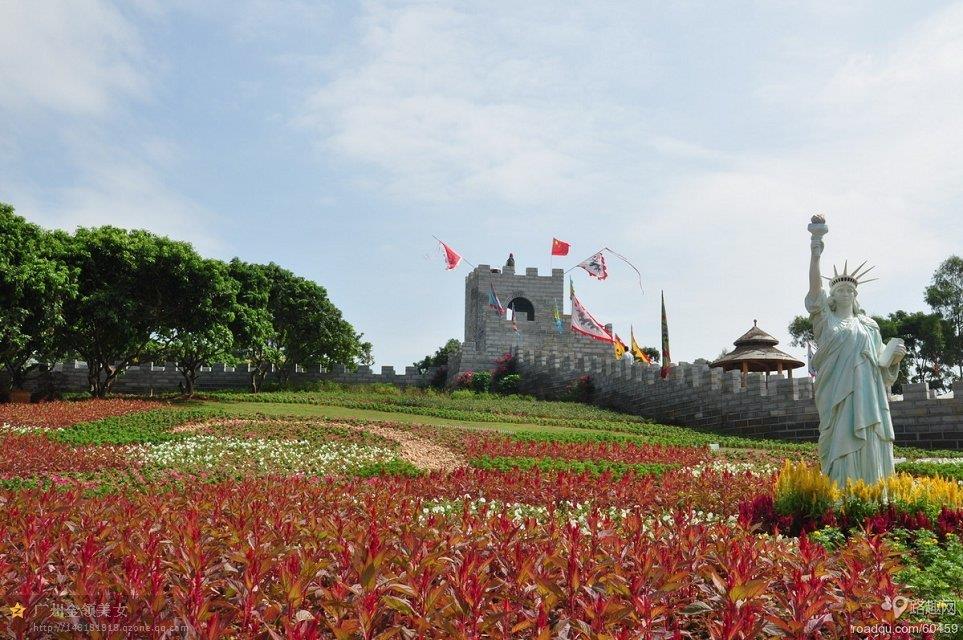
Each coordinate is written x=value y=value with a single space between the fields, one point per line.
x=462 y=394
x=581 y=390
x=383 y=389
x=509 y=384
x=481 y=382
x=438 y=378
x=464 y=380
x=506 y=365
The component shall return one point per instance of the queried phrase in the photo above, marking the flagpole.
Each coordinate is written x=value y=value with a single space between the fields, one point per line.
x=463 y=257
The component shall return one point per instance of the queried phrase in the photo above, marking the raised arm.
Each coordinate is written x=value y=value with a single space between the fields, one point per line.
x=818 y=229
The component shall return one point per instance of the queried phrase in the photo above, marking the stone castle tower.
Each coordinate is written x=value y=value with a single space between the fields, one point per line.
x=531 y=299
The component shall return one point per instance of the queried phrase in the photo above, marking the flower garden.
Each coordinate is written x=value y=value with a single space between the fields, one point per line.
x=375 y=513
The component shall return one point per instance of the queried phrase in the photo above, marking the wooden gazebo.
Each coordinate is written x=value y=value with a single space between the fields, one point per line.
x=756 y=351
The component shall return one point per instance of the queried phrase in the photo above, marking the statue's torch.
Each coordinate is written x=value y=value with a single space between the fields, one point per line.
x=818 y=228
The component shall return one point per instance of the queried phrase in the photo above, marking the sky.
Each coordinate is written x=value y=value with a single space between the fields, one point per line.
x=695 y=138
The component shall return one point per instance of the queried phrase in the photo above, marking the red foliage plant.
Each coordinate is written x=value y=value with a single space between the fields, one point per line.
x=30 y=455
x=63 y=413
x=307 y=558
x=622 y=452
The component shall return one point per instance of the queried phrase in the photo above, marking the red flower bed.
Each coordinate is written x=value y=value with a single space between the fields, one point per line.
x=320 y=559
x=64 y=413
x=34 y=454
x=716 y=492
x=628 y=452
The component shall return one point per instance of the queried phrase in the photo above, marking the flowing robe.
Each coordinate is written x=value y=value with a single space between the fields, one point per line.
x=851 y=390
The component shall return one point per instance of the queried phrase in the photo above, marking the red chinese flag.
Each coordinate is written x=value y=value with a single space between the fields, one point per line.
x=451 y=257
x=559 y=248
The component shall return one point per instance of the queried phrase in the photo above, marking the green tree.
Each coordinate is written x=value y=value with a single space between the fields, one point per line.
x=308 y=328
x=801 y=330
x=203 y=332
x=132 y=288
x=440 y=357
x=654 y=354
x=33 y=287
x=945 y=296
x=924 y=335
x=251 y=328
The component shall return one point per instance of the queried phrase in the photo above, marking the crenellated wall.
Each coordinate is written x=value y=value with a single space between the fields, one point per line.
x=72 y=376
x=697 y=396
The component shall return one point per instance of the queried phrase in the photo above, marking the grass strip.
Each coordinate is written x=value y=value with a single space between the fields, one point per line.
x=595 y=467
x=133 y=428
x=949 y=470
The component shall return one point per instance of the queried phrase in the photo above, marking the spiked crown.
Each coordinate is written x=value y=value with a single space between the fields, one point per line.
x=855 y=278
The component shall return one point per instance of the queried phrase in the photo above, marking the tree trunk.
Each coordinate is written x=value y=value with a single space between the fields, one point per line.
x=99 y=386
x=257 y=378
x=189 y=373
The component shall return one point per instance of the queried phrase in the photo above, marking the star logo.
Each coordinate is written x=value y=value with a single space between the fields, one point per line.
x=16 y=611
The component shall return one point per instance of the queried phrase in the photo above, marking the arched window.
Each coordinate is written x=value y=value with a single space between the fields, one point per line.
x=521 y=308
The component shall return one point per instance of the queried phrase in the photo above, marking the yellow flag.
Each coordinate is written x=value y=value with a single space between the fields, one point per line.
x=620 y=347
x=637 y=352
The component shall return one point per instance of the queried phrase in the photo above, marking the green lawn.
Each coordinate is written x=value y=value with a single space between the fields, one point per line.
x=335 y=412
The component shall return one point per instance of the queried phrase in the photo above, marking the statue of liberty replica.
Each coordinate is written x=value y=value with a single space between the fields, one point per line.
x=854 y=372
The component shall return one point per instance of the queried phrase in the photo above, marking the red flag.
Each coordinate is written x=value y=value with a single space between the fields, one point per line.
x=560 y=248
x=451 y=257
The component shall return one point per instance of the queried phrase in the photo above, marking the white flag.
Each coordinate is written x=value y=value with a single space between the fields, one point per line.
x=595 y=266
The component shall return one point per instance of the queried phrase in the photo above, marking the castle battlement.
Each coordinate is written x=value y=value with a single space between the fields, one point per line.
x=150 y=377
x=696 y=395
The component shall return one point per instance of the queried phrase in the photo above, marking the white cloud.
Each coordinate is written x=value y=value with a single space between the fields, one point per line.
x=123 y=192
x=68 y=72
x=483 y=101
x=73 y=56
x=554 y=111
x=881 y=161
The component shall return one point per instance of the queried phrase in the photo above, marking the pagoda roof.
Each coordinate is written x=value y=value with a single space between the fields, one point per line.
x=757 y=349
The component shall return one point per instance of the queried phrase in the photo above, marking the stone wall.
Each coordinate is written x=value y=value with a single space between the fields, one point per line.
x=148 y=378
x=695 y=395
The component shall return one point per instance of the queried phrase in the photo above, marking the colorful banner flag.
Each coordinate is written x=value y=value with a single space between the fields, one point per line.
x=557 y=317
x=584 y=323
x=560 y=248
x=809 y=359
x=452 y=258
x=595 y=266
x=666 y=358
x=619 y=347
x=494 y=302
x=637 y=352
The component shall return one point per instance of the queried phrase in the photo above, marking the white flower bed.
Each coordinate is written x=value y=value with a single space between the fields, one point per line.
x=20 y=430
x=719 y=466
x=263 y=455
x=576 y=513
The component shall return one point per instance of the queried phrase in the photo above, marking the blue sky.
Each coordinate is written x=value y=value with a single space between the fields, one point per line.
x=695 y=138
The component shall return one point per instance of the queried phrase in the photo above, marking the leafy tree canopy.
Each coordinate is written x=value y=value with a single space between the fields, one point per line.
x=132 y=286
x=440 y=357
x=33 y=287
